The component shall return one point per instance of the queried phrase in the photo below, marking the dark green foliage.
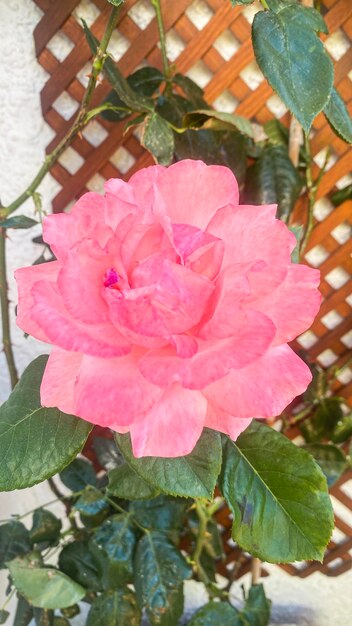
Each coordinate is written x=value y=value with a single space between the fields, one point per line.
x=125 y=483
x=160 y=570
x=18 y=221
x=35 y=443
x=78 y=475
x=92 y=507
x=112 y=546
x=281 y=39
x=331 y=459
x=14 y=541
x=45 y=527
x=193 y=475
x=273 y=180
x=338 y=116
x=266 y=477
x=115 y=608
x=78 y=563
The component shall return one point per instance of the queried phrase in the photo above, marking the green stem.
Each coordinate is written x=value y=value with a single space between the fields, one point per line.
x=265 y=5
x=124 y=512
x=81 y=120
x=162 y=39
x=201 y=534
x=5 y=315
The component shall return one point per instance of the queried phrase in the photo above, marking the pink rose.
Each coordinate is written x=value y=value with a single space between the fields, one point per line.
x=169 y=308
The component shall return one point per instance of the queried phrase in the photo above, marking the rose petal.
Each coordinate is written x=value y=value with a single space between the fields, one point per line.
x=172 y=306
x=81 y=279
x=214 y=359
x=50 y=314
x=58 y=384
x=120 y=201
x=252 y=233
x=26 y=277
x=112 y=392
x=193 y=191
x=172 y=426
x=63 y=230
x=226 y=423
x=263 y=388
x=294 y=304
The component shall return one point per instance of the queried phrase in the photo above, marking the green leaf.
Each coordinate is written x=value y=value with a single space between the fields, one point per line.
x=322 y=423
x=162 y=513
x=14 y=541
x=109 y=456
x=158 y=139
x=276 y=493
x=338 y=117
x=330 y=458
x=24 y=612
x=133 y=100
x=115 y=608
x=18 y=221
x=216 y=613
x=273 y=180
x=218 y=148
x=60 y=621
x=192 y=91
x=298 y=232
x=112 y=546
x=215 y=120
x=192 y=476
x=71 y=611
x=277 y=132
x=43 y=617
x=78 y=475
x=92 y=507
x=342 y=430
x=160 y=570
x=4 y=615
x=45 y=527
x=257 y=608
x=341 y=195
x=144 y=81
x=125 y=483
x=44 y=587
x=35 y=442
x=293 y=59
x=78 y=563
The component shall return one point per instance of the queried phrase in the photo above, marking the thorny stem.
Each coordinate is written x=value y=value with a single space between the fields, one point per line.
x=159 y=18
x=5 y=315
x=204 y=515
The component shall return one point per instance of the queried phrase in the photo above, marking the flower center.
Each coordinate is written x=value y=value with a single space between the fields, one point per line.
x=111 y=278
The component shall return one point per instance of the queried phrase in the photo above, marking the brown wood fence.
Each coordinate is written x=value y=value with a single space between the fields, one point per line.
x=211 y=40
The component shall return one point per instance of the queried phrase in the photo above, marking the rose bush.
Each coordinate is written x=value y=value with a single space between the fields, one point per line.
x=169 y=308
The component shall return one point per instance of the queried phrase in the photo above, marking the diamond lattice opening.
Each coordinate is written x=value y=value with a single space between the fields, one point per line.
x=199 y=13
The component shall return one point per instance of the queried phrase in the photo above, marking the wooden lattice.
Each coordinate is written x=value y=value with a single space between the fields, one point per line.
x=216 y=48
